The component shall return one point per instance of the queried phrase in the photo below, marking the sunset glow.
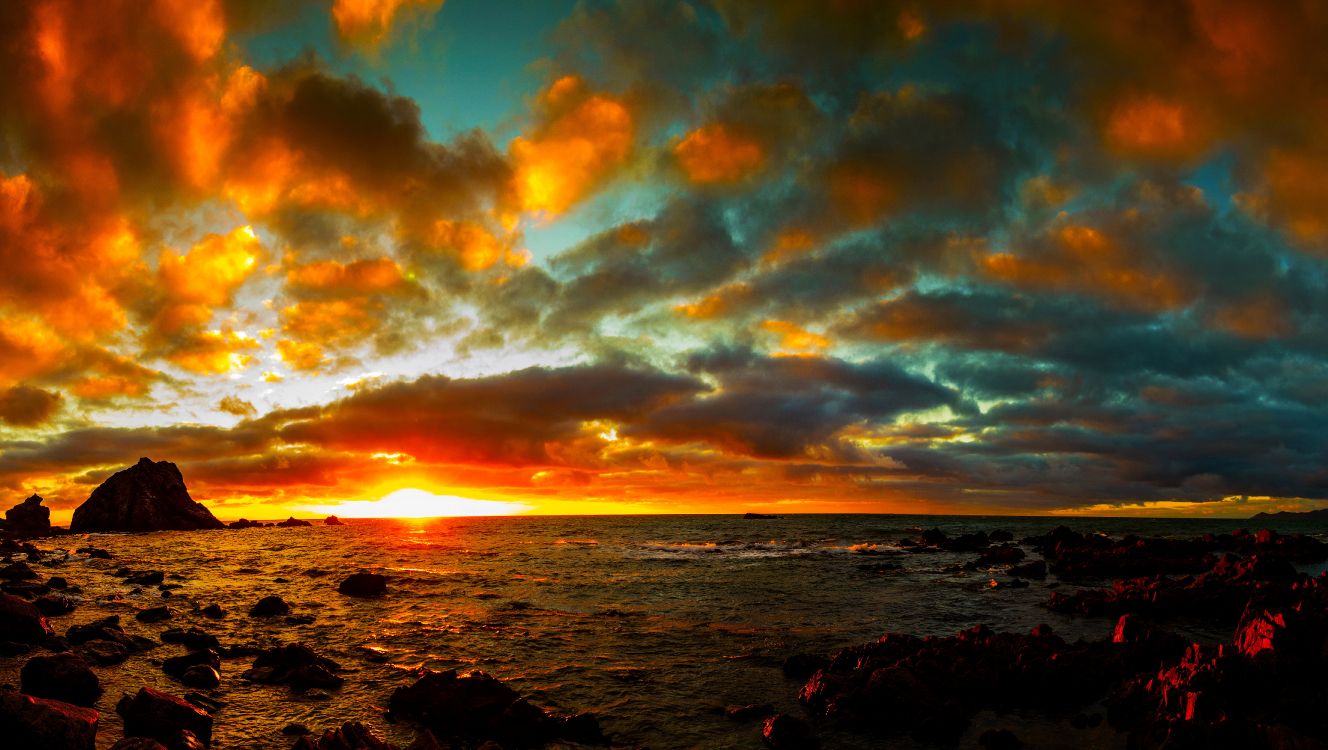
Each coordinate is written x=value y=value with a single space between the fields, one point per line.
x=412 y=503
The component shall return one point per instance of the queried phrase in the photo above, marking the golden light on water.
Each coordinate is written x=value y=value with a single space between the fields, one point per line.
x=410 y=502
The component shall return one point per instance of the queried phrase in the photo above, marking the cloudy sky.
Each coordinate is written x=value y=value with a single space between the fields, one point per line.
x=719 y=255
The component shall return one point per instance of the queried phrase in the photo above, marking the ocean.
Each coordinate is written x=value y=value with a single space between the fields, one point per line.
x=654 y=623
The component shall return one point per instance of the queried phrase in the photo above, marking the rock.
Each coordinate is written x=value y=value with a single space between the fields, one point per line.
x=270 y=606
x=1006 y=554
x=153 y=614
x=138 y=743
x=784 y=732
x=53 y=605
x=802 y=666
x=293 y=522
x=999 y=739
x=176 y=666
x=18 y=571
x=363 y=584
x=106 y=629
x=473 y=707
x=201 y=676
x=104 y=653
x=146 y=578
x=333 y=521
x=245 y=523
x=193 y=638
x=1001 y=535
x=162 y=716
x=21 y=621
x=295 y=729
x=295 y=665
x=759 y=517
x=63 y=677
x=349 y=736
x=1034 y=569
x=40 y=723
x=214 y=611
x=748 y=712
x=58 y=582
x=29 y=518
x=145 y=497
x=300 y=619
x=95 y=553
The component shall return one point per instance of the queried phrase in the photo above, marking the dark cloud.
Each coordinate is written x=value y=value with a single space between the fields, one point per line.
x=26 y=406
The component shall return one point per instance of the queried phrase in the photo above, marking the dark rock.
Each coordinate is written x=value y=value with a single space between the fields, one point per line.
x=295 y=665
x=349 y=736
x=759 y=517
x=104 y=653
x=473 y=707
x=145 y=497
x=802 y=666
x=213 y=611
x=40 y=723
x=245 y=523
x=53 y=605
x=270 y=606
x=138 y=743
x=162 y=716
x=193 y=638
x=94 y=552
x=363 y=584
x=201 y=676
x=153 y=614
x=785 y=732
x=146 y=578
x=106 y=629
x=1034 y=569
x=176 y=666
x=29 y=518
x=1006 y=554
x=21 y=622
x=1001 y=535
x=18 y=571
x=295 y=729
x=748 y=712
x=63 y=677
x=58 y=582
x=333 y=521
x=300 y=619
x=999 y=739
x=293 y=522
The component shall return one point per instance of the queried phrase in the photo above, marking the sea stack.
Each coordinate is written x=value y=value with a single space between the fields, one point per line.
x=148 y=496
x=29 y=518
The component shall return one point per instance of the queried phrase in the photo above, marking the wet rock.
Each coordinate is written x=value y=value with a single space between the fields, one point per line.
x=146 y=578
x=333 y=521
x=154 y=614
x=138 y=743
x=999 y=739
x=29 y=518
x=245 y=523
x=785 y=732
x=213 y=611
x=192 y=638
x=21 y=622
x=1034 y=569
x=749 y=712
x=349 y=736
x=63 y=677
x=294 y=522
x=1006 y=554
x=176 y=666
x=363 y=584
x=145 y=497
x=1001 y=535
x=270 y=606
x=54 y=605
x=201 y=676
x=18 y=571
x=58 y=582
x=300 y=619
x=296 y=729
x=28 y=722
x=106 y=629
x=95 y=553
x=295 y=665
x=802 y=666
x=104 y=653
x=162 y=716
x=477 y=707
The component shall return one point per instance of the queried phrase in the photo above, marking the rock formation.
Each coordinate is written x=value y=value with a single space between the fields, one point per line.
x=148 y=496
x=29 y=518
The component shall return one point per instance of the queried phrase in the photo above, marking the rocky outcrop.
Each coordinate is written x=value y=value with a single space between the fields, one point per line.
x=163 y=717
x=293 y=522
x=21 y=621
x=295 y=665
x=27 y=722
x=64 y=677
x=148 y=496
x=29 y=518
x=333 y=521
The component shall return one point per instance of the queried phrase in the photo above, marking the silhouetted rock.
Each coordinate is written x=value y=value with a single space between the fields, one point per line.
x=153 y=614
x=106 y=629
x=191 y=638
x=53 y=605
x=748 y=712
x=21 y=621
x=293 y=522
x=146 y=578
x=145 y=497
x=333 y=521
x=176 y=666
x=245 y=523
x=63 y=677
x=18 y=571
x=759 y=517
x=363 y=584
x=349 y=736
x=138 y=743
x=269 y=606
x=27 y=722
x=1033 y=569
x=29 y=518
x=213 y=611
x=295 y=665
x=201 y=676
x=162 y=716
x=784 y=732
x=104 y=653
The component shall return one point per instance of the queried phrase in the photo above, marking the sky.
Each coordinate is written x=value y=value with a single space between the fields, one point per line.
x=1013 y=256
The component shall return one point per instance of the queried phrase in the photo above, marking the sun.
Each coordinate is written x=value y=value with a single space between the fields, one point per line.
x=410 y=502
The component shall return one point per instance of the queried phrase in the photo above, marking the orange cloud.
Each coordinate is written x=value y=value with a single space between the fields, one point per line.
x=716 y=154
x=475 y=247
x=1159 y=128
x=580 y=140
x=717 y=304
x=196 y=284
x=215 y=352
x=793 y=338
x=356 y=277
x=368 y=23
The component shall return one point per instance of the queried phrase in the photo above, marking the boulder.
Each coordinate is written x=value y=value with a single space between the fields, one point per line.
x=201 y=676
x=269 y=606
x=20 y=621
x=785 y=732
x=63 y=677
x=363 y=584
x=27 y=722
x=352 y=734
x=104 y=653
x=153 y=614
x=245 y=523
x=193 y=638
x=333 y=521
x=54 y=604
x=177 y=666
x=138 y=743
x=18 y=571
x=293 y=522
x=149 y=496
x=29 y=518
x=162 y=716
x=295 y=665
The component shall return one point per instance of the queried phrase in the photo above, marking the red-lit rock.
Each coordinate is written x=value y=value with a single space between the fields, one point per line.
x=27 y=722
x=162 y=716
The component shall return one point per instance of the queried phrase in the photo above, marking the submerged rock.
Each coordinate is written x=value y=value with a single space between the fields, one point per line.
x=269 y=606
x=162 y=717
x=295 y=665
x=27 y=722
x=352 y=734
x=201 y=676
x=154 y=614
x=363 y=584
x=147 y=496
x=29 y=518
x=64 y=677
x=21 y=621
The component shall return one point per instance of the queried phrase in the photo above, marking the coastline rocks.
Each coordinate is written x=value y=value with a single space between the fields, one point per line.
x=27 y=722
x=154 y=614
x=104 y=653
x=245 y=523
x=363 y=584
x=18 y=571
x=352 y=734
x=145 y=497
x=105 y=629
x=194 y=639
x=213 y=611
x=201 y=676
x=177 y=666
x=21 y=621
x=333 y=521
x=138 y=743
x=63 y=677
x=295 y=665
x=784 y=732
x=162 y=717
x=294 y=522
x=477 y=707
x=269 y=606
x=29 y=518
x=53 y=605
